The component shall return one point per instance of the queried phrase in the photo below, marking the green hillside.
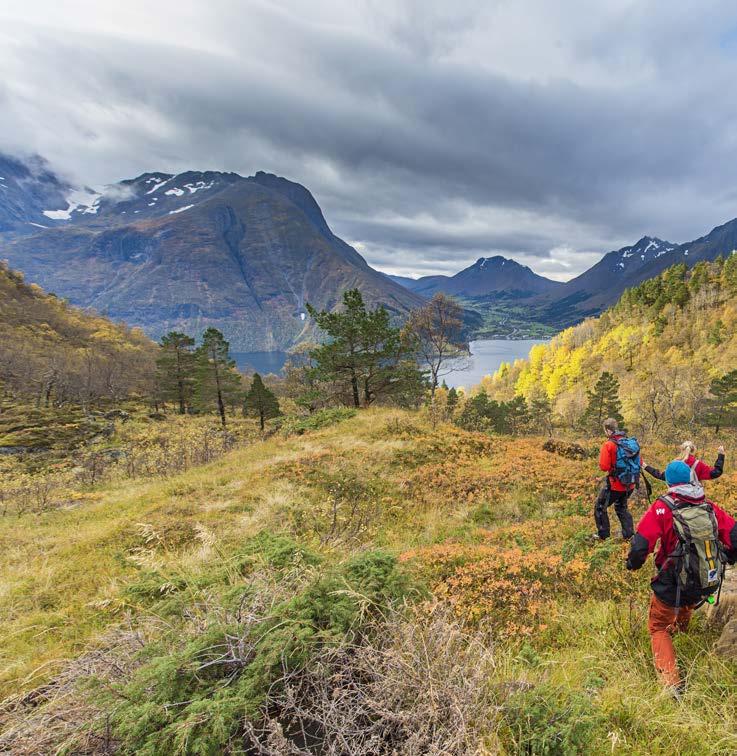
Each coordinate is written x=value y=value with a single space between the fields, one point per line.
x=374 y=583
x=666 y=340
x=55 y=354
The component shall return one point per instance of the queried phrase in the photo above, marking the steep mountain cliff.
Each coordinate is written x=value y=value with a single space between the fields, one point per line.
x=200 y=249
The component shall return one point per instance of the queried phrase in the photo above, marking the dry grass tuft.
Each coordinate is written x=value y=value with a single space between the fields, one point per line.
x=421 y=685
x=60 y=716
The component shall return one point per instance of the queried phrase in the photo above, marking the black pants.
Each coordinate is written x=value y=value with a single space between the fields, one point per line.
x=601 y=515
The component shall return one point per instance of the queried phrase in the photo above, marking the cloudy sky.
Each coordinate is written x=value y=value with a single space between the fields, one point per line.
x=432 y=132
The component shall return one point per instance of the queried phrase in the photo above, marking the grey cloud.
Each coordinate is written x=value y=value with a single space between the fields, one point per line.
x=422 y=144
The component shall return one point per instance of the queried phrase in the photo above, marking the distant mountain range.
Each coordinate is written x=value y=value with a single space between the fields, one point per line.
x=188 y=251
x=488 y=275
x=27 y=188
x=563 y=304
x=246 y=254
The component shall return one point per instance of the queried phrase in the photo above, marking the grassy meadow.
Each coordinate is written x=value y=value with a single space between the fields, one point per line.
x=366 y=581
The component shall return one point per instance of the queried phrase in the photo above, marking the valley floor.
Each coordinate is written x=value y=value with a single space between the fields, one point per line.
x=450 y=570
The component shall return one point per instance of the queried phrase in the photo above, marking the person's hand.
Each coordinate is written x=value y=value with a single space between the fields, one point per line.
x=720 y=450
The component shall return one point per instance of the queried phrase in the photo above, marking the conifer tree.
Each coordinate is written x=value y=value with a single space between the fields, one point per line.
x=722 y=405
x=451 y=403
x=217 y=381
x=364 y=352
x=604 y=402
x=175 y=370
x=261 y=401
x=515 y=415
x=729 y=272
x=340 y=358
x=541 y=412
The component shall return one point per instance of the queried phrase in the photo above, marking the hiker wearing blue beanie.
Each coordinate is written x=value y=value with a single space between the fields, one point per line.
x=677 y=473
x=700 y=471
x=696 y=539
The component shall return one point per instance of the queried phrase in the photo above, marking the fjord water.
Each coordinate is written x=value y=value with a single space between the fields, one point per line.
x=260 y=362
x=486 y=357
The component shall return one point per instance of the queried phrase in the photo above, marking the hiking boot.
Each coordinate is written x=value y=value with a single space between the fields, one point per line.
x=596 y=538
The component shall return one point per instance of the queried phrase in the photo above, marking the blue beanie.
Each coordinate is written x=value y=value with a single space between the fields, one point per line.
x=677 y=472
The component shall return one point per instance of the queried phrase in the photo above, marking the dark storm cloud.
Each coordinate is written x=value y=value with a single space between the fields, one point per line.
x=429 y=136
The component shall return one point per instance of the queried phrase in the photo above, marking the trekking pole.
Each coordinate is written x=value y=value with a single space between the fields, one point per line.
x=648 y=488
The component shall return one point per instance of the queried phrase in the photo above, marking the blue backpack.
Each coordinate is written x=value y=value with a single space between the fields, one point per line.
x=627 y=467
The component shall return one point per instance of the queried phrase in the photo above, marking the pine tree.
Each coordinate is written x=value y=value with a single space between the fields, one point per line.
x=451 y=403
x=729 y=272
x=340 y=358
x=541 y=412
x=722 y=405
x=515 y=415
x=175 y=370
x=261 y=401
x=604 y=402
x=217 y=381
x=364 y=353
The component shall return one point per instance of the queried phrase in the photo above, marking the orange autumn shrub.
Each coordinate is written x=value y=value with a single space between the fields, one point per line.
x=444 y=444
x=452 y=481
x=536 y=533
x=515 y=588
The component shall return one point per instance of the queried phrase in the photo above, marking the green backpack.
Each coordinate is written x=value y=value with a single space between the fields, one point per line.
x=699 y=558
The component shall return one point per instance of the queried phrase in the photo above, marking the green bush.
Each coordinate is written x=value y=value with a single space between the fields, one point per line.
x=195 y=695
x=548 y=721
x=322 y=418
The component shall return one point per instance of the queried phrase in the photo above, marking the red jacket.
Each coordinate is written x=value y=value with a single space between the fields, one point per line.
x=656 y=526
x=608 y=460
x=702 y=470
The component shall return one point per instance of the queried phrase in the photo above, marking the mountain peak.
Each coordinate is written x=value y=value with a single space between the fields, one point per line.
x=189 y=250
x=299 y=195
x=487 y=276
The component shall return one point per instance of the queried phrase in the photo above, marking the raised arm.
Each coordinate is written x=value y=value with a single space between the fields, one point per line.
x=657 y=474
x=718 y=468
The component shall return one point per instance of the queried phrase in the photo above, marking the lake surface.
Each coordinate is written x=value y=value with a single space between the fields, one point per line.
x=260 y=362
x=486 y=357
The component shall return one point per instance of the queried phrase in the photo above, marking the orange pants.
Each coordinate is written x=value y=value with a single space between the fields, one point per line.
x=662 y=623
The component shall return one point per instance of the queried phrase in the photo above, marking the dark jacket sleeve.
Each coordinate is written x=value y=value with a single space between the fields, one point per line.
x=654 y=472
x=727 y=533
x=718 y=468
x=639 y=549
x=731 y=553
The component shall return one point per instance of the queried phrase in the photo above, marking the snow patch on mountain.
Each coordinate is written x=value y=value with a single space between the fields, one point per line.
x=157 y=183
x=199 y=185
x=180 y=209
x=84 y=201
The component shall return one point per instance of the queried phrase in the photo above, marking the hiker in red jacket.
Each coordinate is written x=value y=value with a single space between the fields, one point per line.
x=678 y=587
x=701 y=471
x=613 y=491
